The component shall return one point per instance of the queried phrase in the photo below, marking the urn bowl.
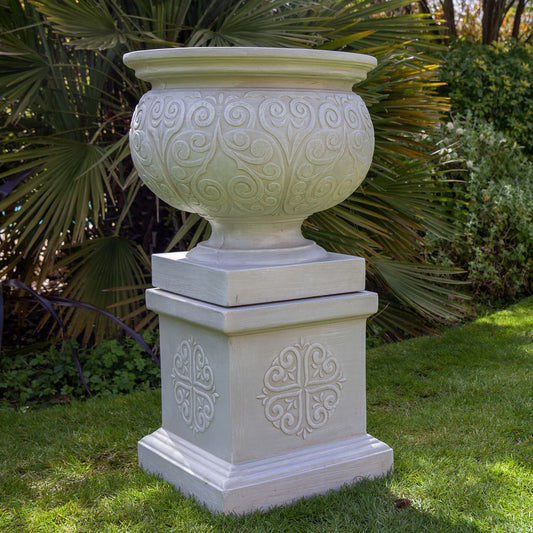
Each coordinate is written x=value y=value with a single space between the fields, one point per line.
x=254 y=140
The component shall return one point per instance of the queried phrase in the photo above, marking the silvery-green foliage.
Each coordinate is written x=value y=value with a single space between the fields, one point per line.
x=493 y=239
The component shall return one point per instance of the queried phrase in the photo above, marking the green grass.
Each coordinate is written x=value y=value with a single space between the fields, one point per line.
x=457 y=409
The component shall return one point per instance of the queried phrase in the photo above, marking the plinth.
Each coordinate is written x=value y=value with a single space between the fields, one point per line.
x=263 y=381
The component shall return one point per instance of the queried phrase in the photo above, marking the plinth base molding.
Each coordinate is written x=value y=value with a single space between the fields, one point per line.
x=261 y=484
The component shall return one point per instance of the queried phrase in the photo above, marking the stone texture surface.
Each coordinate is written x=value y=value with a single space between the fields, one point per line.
x=263 y=395
x=264 y=483
x=262 y=331
x=236 y=286
x=263 y=139
x=248 y=153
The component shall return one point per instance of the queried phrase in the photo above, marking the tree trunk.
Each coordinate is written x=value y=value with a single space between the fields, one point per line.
x=449 y=16
x=494 y=12
x=423 y=7
x=517 y=18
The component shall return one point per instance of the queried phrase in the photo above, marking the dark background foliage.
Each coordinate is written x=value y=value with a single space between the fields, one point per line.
x=494 y=83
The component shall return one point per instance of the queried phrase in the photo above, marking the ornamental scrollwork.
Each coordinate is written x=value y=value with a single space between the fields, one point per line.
x=233 y=152
x=302 y=388
x=194 y=386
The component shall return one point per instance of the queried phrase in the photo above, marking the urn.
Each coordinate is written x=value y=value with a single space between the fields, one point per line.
x=254 y=140
x=262 y=331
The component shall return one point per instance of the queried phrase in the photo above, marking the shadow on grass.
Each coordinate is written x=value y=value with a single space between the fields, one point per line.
x=154 y=506
x=367 y=506
x=457 y=411
x=363 y=507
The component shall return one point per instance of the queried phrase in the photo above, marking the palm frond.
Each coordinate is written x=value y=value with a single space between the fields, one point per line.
x=259 y=23
x=88 y=22
x=425 y=288
x=94 y=271
x=37 y=212
x=22 y=73
x=194 y=227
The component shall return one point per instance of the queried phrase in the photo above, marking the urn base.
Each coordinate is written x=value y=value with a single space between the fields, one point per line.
x=263 y=483
x=258 y=241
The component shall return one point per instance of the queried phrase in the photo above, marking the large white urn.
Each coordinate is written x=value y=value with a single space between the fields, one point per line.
x=262 y=331
x=253 y=139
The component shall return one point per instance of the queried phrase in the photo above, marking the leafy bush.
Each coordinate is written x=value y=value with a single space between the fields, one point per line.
x=495 y=83
x=494 y=237
x=50 y=376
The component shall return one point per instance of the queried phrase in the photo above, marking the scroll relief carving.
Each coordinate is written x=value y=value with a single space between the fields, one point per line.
x=194 y=386
x=302 y=388
x=225 y=153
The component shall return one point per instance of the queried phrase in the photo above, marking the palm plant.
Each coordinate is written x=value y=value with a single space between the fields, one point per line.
x=75 y=217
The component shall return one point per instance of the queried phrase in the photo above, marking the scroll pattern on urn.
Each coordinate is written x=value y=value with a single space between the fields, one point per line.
x=302 y=388
x=226 y=153
x=194 y=386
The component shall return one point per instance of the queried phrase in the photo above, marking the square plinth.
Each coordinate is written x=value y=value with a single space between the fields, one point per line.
x=233 y=286
x=262 y=401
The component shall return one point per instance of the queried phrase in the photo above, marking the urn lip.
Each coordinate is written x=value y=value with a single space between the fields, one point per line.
x=249 y=67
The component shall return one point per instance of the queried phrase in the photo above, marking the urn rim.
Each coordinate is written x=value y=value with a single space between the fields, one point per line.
x=249 y=67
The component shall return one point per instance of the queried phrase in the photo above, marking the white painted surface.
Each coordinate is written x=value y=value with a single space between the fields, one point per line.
x=248 y=384
x=262 y=331
x=264 y=483
x=275 y=315
x=241 y=350
x=235 y=286
x=254 y=140
x=249 y=67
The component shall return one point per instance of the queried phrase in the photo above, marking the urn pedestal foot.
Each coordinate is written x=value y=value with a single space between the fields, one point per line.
x=263 y=402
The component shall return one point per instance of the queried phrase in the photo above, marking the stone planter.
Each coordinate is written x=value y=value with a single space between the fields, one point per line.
x=262 y=331
x=253 y=139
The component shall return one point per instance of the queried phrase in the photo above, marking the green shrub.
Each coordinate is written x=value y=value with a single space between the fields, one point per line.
x=50 y=376
x=494 y=237
x=495 y=83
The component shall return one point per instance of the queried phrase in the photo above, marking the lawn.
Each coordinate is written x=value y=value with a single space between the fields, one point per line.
x=457 y=410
